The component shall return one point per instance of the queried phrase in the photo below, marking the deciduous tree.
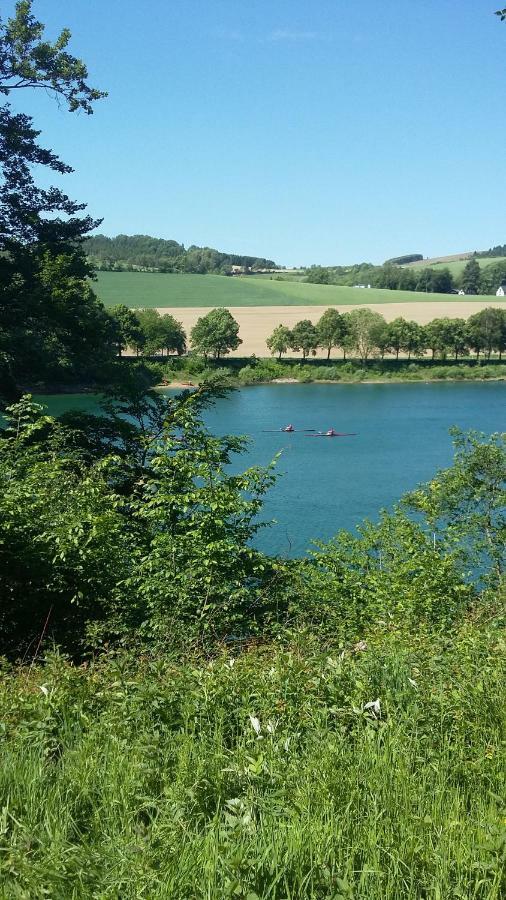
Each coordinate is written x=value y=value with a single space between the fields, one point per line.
x=365 y=327
x=127 y=329
x=215 y=334
x=40 y=227
x=331 y=330
x=486 y=330
x=280 y=340
x=304 y=337
x=471 y=277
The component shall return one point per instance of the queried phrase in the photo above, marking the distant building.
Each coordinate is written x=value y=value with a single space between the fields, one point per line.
x=364 y=286
x=240 y=270
x=501 y=291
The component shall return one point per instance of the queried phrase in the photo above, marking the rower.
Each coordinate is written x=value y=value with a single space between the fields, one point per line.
x=288 y=428
x=331 y=433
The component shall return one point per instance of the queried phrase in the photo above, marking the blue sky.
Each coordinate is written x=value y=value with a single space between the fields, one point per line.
x=328 y=132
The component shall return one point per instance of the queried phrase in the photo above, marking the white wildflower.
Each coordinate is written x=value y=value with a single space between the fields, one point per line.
x=374 y=707
x=255 y=724
x=44 y=690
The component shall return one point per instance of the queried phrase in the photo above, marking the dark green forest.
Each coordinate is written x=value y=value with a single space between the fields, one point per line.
x=141 y=252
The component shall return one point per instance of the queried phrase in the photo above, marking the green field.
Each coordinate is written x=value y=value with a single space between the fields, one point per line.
x=457 y=266
x=142 y=289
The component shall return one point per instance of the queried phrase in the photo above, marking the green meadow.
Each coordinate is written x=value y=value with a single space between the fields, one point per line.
x=145 y=289
x=262 y=776
x=457 y=266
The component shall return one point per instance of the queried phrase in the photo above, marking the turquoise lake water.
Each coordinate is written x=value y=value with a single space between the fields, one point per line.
x=328 y=484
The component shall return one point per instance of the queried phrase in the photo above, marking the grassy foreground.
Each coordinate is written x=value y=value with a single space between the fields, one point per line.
x=141 y=289
x=296 y=771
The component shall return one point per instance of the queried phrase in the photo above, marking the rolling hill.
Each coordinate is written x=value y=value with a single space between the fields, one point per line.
x=455 y=264
x=141 y=289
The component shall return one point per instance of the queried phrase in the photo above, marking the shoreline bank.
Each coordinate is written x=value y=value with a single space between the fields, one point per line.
x=237 y=382
x=177 y=384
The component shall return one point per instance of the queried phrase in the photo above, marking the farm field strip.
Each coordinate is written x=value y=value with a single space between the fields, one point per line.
x=257 y=323
x=140 y=289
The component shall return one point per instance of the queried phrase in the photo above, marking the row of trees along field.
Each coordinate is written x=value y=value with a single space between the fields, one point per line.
x=149 y=333
x=363 y=332
x=125 y=253
x=473 y=280
x=366 y=333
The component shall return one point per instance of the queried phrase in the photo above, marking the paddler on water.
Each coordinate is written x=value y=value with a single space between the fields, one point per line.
x=287 y=428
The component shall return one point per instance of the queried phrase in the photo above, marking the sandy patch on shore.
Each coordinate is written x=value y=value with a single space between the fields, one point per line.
x=256 y=323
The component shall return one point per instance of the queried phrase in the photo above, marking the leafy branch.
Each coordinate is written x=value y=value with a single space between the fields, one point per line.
x=29 y=61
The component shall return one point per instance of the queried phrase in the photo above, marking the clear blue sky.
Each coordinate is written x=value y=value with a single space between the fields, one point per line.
x=327 y=132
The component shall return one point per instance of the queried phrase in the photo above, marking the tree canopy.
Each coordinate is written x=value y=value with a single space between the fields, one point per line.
x=215 y=334
x=51 y=323
x=332 y=330
x=304 y=337
x=140 y=251
x=365 y=328
x=280 y=340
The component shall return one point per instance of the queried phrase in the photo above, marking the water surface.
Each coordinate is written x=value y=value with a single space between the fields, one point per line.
x=327 y=484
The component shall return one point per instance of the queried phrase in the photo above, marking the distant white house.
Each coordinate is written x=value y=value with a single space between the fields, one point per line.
x=362 y=286
x=501 y=291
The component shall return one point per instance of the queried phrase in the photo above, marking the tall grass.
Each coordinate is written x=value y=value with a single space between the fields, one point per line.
x=263 y=774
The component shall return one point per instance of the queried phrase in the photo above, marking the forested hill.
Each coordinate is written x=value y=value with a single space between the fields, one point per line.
x=142 y=252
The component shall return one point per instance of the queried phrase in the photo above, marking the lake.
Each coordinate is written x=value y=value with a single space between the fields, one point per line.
x=330 y=483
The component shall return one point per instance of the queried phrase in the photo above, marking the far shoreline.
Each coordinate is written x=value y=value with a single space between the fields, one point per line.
x=184 y=385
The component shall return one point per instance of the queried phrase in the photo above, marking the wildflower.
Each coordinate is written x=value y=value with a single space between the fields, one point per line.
x=374 y=708
x=44 y=690
x=255 y=724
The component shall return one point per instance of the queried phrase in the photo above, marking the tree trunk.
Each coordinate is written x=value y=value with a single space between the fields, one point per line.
x=397 y=353
x=328 y=353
